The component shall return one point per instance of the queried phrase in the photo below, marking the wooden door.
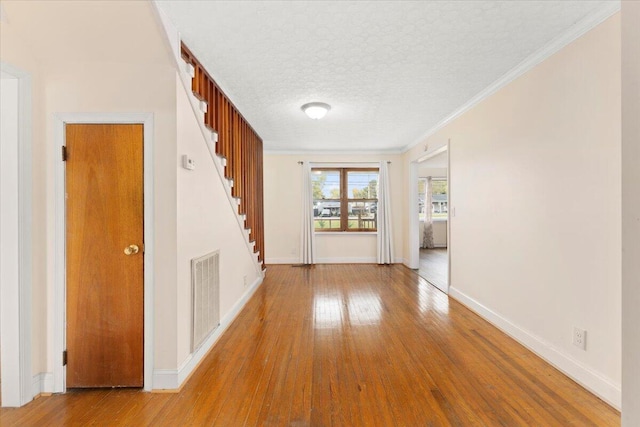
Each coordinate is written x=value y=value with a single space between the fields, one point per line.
x=104 y=207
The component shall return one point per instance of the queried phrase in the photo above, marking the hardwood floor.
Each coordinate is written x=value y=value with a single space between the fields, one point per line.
x=434 y=266
x=346 y=345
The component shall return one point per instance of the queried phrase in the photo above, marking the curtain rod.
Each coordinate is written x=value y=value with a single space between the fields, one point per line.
x=300 y=162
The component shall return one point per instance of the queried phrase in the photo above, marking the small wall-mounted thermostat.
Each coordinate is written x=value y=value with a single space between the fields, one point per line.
x=188 y=163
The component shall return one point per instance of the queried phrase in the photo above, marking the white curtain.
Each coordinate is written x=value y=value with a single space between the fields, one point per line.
x=307 y=240
x=427 y=234
x=385 y=231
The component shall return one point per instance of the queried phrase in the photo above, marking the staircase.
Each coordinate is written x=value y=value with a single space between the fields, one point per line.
x=238 y=148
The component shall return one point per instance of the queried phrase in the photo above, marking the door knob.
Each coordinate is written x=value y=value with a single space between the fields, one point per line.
x=131 y=250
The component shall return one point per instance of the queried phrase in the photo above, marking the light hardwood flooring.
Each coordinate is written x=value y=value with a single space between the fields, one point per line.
x=434 y=266
x=346 y=345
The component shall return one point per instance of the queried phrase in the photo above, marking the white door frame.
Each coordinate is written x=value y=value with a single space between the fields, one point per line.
x=59 y=321
x=15 y=252
x=414 y=222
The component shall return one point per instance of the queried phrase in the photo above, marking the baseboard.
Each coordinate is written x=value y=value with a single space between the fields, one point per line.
x=295 y=260
x=172 y=380
x=346 y=260
x=42 y=384
x=332 y=260
x=593 y=381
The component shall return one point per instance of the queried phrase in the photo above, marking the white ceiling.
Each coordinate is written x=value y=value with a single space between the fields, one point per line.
x=391 y=70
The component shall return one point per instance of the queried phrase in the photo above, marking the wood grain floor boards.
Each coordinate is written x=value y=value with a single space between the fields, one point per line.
x=433 y=266
x=346 y=345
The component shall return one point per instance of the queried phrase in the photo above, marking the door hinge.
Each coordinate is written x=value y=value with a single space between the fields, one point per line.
x=64 y=358
x=64 y=153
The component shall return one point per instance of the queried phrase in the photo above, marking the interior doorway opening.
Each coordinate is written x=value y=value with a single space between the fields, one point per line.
x=431 y=214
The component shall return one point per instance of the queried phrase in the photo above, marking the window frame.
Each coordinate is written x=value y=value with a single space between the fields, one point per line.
x=345 y=200
x=433 y=179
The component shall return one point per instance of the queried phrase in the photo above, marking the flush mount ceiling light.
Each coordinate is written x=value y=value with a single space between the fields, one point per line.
x=316 y=110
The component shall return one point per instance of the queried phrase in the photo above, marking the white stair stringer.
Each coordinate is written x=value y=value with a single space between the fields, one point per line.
x=186 y=73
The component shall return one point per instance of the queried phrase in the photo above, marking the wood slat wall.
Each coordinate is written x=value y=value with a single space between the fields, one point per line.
x=239 y=144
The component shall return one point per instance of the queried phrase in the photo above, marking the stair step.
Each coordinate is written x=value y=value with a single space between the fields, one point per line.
x=190 y=69
x=203 y=105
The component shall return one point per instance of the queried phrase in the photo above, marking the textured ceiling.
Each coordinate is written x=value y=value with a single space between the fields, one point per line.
x=391 y=70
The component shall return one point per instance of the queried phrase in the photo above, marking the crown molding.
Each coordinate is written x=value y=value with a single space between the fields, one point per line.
x=581 y=27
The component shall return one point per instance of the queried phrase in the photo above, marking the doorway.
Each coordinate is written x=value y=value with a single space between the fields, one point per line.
x=430 y=218
x=116 y=243
x=104 y=248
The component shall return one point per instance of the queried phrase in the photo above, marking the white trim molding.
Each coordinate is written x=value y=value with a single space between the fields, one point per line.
x=332 y=260
x=59 y=310
x=581 y=27
x=292 y=260
x=42 y=383
x=16 y=252
x=173 y=379
x=593 y=381
x=287 y=152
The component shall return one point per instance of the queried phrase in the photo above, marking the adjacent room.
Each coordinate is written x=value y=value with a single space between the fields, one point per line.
x=433 y=217
x=320 y=213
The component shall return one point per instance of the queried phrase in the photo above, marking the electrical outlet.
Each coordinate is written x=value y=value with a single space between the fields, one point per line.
x=580 y=338
x=245 y=281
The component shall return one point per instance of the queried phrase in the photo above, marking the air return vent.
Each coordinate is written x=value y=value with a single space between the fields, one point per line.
x=205 y=278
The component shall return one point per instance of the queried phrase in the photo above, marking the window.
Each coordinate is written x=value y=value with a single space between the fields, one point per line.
x=439 y=198
x=345 y=199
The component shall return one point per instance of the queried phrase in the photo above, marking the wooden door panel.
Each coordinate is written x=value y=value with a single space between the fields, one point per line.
x=105 y=315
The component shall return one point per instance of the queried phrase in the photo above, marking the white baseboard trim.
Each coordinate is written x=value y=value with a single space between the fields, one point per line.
x=165 y=379
x=172 y=379
x=345 y=260
x=593 y=381
x=42 y=383
x=294 y=260
x=332 y=260
x=352 y=260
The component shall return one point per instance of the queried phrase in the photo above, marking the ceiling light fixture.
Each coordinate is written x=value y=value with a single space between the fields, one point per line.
x=316 y=110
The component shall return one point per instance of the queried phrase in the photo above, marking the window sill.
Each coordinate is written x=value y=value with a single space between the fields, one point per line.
x=440 y=219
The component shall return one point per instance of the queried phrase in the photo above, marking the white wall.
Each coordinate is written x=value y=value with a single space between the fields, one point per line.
x=630 y=214
x=93 y=73
x=545 y=256
x=14 y=51
x=282 y=199
x=206 y=222
x=110 y=57
x=70 y=86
